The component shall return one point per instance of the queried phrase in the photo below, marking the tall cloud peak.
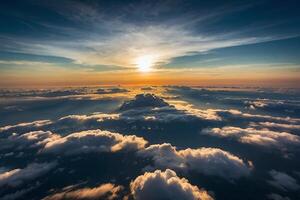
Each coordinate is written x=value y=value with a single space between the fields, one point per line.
x=144 y=100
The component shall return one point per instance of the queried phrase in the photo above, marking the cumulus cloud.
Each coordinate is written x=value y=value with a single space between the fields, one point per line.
x=283 y=105
x=155 y=110
x=142 y=101
x=26 y=126
x=72 y=123
x=18 y=176
x=188 y=109
x=263 y=137
x=94 y=141
x=276 y=125
x=162 y=114
x=232 y=113
x=148 y=107
x=69 y=123
x=165 y=185
x=210 y=161
x=27 y=140
x=283 y=181
x=106 y=191
x=145 y=107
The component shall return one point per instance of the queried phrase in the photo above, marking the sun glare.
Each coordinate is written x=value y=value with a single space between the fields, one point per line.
x=144 y=63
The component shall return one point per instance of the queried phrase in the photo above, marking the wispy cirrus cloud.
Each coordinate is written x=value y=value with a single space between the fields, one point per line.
x=159 y=41
x=99 y=37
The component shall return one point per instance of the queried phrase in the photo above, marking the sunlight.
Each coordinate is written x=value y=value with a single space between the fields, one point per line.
x=144 y=63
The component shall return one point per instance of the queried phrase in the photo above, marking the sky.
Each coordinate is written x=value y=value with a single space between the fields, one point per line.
x=76 y=43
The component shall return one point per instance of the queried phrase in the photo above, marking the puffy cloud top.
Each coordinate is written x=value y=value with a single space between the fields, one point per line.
x=165 y=185
x=30 y=139
x=210 y=161
x=94 y=141
x=144 y=100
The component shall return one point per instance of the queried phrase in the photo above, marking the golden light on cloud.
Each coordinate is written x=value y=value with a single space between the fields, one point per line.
x=145 y=63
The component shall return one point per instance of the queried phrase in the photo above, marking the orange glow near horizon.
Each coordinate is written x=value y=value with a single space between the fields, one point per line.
x=152 y=77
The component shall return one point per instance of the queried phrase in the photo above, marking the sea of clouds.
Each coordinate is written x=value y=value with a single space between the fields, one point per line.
x=170 y=142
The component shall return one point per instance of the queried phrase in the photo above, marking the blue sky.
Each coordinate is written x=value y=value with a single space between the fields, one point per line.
x=116 y=38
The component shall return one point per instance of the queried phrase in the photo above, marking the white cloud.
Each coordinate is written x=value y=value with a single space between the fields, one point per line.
x=149 y=107
x=82 y=118
x=276 y=125
x=227 y=114
x=104 y=191
x=116 y=41
x=94 y=141
x=189 y=109
x=132 y=42
x=159 y=114
x=210 y=161
x=283 y=181
x=18 y=176
x=256 y=117
x=142 y=101
x=28 y=140
x=282 y=104
x=165 y=185
x=220 y=114
x=263 y=137
x=28 y=125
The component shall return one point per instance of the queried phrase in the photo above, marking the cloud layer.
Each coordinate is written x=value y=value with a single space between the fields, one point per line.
x=166 y=136
x=94 y=141
x=209 y=161
x=18 y=176
x=263 y=137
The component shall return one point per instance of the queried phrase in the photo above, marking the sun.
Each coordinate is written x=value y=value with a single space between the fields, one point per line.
x=144 y=63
